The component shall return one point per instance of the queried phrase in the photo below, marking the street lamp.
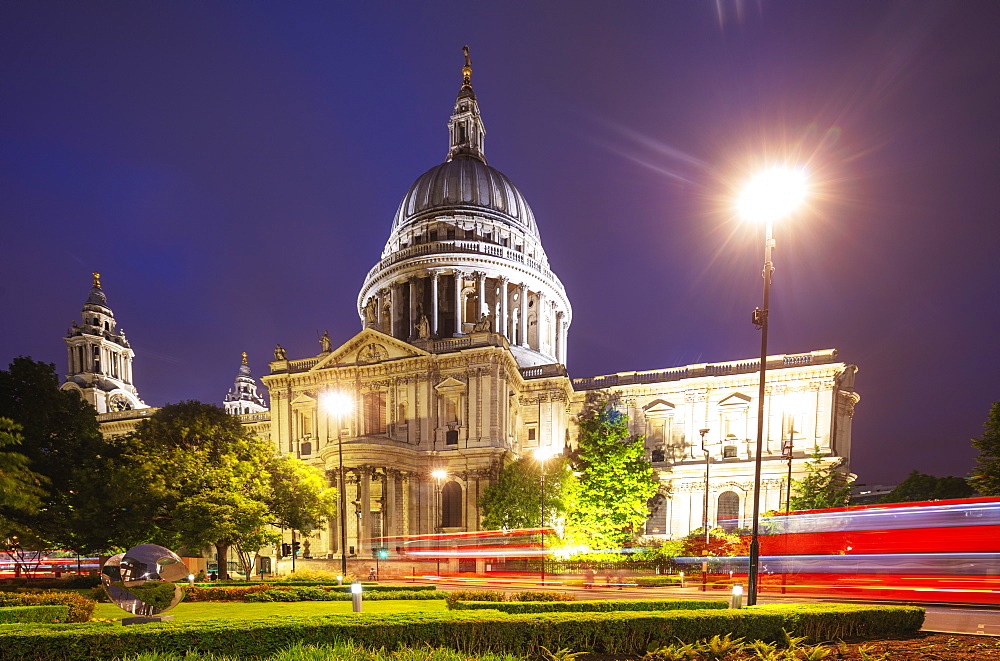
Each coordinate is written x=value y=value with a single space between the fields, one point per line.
x=768 y=197
x=339 y=404
x=704 y=519
x=787 y=451
x=543 y=453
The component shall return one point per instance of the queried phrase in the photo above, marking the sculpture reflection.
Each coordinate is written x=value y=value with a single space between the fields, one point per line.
x=141 y=581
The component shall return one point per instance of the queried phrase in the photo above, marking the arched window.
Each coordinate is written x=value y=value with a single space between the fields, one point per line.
x=656 y=524
x=729 y=510
x=451 y=505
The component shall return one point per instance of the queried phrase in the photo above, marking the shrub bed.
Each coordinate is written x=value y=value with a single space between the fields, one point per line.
x=500 y=595
x=616 y=633
x=601 y=606
x=321 y=594
x=656 y=581
x=80 y=608
x=22 y=614
x=305 y=592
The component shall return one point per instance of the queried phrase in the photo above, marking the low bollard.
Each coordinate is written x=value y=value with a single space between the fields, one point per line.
x=340 y=579
x=737 y=599
x=191 y=579
x=356 y=597
x=682 y=578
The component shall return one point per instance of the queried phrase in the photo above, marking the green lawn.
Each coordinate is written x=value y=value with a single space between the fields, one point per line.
x=233 y=610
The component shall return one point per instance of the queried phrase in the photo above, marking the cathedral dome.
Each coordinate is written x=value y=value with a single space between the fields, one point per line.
x=465 y=185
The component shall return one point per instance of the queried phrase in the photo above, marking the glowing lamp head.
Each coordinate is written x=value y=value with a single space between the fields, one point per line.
x=772 y=194
x=543 y=453
x=439 y=474
x=737 y=590
x=355 y=588
x=336 y=403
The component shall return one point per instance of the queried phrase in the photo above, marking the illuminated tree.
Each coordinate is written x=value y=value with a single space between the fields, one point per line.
x=986 y=476
x=823 y=486
x=616 y=479
x=515 y=501
x=20 y=488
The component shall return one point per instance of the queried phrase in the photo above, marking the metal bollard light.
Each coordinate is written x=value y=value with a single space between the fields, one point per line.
x=190 y=579
x=340 y=579
x=356 y=597
x=682 y=578
x=737 y=599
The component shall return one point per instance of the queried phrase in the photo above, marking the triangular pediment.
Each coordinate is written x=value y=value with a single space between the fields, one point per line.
x=736 y=399
x=658 y=407
x=451 y=384
x=304 y=400
x=368 y=347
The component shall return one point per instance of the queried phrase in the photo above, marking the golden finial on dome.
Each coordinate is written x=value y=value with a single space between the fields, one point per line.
x=244 y=357
x=97 y=279
x=467 y=69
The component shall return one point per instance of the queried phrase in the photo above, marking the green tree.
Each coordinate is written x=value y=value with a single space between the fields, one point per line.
x=515 y=501
x=721 y=542
x=63 y=443
x=919 y=486
x=823 y=486
x=986 y=475
x=205 y=476
x=300 y=497
x=20 y=488
x=616 y=478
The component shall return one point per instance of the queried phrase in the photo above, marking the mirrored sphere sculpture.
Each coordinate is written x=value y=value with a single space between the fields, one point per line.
x=141 y=581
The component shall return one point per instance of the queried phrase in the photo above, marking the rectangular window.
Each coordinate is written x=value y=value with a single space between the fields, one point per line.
x=470 y=234
x=374 y=412
x=729 y=452
x=450 y=233
x=451 y=437
x=531 y=433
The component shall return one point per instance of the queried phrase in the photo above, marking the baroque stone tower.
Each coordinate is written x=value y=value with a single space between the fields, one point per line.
x=243 y=397
x=100 y=358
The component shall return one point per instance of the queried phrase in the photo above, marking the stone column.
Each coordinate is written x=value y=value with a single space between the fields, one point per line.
x=522 y=332
x=412 y=331
x=543 y=325
x=392 y=309
x=480 y=294
x=434 y=303
x=389 y=503
x=364 y=506
x=502 y=324
x=560 y=341
x=459 y=282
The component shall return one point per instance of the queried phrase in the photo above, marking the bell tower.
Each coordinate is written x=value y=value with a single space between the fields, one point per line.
x=243 y=397
x=100 y=358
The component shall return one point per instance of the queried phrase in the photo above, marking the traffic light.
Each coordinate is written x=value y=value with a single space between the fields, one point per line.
x=383 y=554
x=286 y=549
x=295 y=548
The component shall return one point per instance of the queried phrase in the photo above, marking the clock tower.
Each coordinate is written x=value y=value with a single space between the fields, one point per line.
x=100 y=358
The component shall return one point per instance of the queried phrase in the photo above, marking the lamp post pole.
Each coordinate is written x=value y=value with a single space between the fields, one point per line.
x=787 y=450
x=343 y=499
x=760 y=320
x=704 y=518
x=542 y=512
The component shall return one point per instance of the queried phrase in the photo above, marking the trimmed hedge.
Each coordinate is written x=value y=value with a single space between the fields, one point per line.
x=80 y=608
x=656 y=581
x=346 y=587
x=22 y=614
x=602 y=606
x=320 y=594
x=617 y=633
x=499 y=595
x=336 y=592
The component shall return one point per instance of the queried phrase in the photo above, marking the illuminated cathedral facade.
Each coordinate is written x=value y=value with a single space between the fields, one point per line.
x=459 y=367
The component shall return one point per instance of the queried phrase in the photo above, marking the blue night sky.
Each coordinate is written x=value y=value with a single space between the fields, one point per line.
x=232 y=169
